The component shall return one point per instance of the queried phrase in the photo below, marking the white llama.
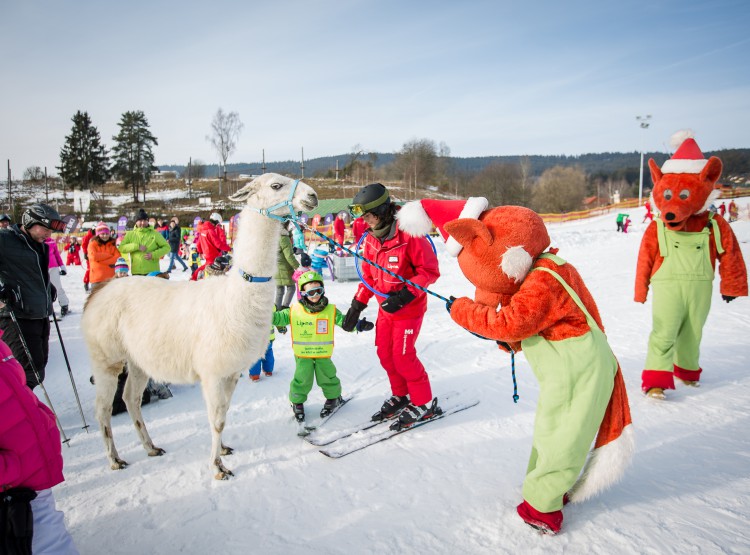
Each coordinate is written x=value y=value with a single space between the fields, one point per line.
x=123 y=322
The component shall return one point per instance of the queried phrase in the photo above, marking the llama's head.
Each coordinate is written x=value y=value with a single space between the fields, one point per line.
x=271 y=189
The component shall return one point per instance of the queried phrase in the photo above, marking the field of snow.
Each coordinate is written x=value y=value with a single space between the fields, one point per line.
x=450 y=487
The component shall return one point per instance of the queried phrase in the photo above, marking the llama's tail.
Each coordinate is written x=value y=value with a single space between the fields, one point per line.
x=613 y=449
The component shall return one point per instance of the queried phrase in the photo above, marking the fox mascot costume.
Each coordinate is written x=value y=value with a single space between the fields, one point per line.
x=534 y=300
x=678 y=258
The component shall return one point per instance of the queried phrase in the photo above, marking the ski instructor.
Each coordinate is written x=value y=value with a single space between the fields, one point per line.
x=25 y=288
x=401 y=310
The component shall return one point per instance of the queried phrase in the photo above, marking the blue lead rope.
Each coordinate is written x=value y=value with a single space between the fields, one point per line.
x=448 y=302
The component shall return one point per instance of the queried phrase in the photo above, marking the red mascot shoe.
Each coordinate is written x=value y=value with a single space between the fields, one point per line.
x=546 y=523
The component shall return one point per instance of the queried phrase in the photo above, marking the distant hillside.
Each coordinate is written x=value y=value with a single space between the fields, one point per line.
x=618 y=164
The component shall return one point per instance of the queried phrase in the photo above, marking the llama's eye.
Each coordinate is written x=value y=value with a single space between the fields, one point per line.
x=276 y=186
x=668 y=194
x=684 y=194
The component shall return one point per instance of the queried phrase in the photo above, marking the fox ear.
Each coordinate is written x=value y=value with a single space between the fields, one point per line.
x=712 y=170
x=465 y=230
x=655 y=171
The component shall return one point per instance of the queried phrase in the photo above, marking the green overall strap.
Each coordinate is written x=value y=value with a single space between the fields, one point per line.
x=663 y=251
x=717 y=232
x=573 y=295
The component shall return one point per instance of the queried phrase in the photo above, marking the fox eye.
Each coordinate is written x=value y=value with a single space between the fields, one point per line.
x=668 y=194
x=684 y=194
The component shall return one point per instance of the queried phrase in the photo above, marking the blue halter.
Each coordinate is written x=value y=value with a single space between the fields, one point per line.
x=285 y=204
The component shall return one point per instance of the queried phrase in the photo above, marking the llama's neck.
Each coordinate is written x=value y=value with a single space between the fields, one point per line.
x=256 y=243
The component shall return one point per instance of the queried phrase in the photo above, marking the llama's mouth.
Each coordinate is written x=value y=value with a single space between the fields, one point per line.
x=308 y=205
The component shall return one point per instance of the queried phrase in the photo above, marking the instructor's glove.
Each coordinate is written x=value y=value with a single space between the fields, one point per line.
x=364 y=325
x=16 y=519
x=397 y=300
x=305 y=260
x=11 y=296
x=63 y=271
x=352 y=315
x=728 y=298
x=53 y=292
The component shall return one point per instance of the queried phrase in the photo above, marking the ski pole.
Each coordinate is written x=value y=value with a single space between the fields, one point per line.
x=36 y=373
x=70 y=373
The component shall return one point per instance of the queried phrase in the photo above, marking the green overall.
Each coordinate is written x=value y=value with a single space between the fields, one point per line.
x=682 y=289
x=576 y=378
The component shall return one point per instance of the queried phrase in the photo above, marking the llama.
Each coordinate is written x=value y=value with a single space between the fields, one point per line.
x=122 y=322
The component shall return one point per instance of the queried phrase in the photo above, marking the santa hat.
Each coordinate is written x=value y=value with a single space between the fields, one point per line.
x=688 y=158
x=417 y=218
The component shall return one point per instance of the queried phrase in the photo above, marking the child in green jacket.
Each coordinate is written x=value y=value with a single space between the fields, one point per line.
x=312 y=321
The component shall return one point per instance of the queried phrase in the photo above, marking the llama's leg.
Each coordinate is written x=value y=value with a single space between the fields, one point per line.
x=229 y=385
x=106 y=385
x=133 y=395
x=217 y=393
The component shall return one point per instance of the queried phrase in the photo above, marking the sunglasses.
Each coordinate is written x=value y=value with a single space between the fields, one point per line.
x=314 y=292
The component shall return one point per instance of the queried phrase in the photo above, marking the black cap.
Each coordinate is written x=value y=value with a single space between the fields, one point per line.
x=141 y=215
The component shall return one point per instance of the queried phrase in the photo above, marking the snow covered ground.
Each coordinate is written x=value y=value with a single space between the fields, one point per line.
x=450 y=487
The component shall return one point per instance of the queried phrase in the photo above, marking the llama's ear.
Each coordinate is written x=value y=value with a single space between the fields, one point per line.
x=246 y=192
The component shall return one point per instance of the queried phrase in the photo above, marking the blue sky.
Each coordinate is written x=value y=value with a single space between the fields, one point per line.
x=485 y=78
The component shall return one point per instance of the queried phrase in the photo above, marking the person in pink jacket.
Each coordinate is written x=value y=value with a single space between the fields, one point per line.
x=57 y=269
x=31 y=464
x=401 y=310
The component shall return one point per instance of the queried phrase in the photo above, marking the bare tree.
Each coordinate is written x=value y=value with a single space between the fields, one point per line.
x=559 y=190
x=225 y=130
x=417 y=162
x=501 y=184
x=33 y=174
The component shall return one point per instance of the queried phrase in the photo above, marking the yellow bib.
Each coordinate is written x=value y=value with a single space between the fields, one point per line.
x=312 y=334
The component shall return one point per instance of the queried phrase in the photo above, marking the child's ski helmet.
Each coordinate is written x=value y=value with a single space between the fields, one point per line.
x=307 y=277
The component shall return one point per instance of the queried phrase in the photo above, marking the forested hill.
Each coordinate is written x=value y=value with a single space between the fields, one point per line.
x=615 y=164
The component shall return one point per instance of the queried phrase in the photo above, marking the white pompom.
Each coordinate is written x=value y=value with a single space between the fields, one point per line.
x=679 y=137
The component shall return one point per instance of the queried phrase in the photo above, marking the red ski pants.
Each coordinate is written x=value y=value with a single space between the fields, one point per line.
x=395 y=344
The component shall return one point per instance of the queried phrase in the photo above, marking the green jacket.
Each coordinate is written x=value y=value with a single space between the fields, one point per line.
x=154 y=243
x=286 y=263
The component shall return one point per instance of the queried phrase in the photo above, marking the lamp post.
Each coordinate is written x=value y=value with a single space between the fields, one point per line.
x=644 y=121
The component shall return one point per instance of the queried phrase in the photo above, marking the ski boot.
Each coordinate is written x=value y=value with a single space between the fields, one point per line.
x=254 y=378
x=391 y=408
x=690 y=383
x=64 y=310
x=330 y=405
x=268 y=374
x=299 y=412
x=414 y=413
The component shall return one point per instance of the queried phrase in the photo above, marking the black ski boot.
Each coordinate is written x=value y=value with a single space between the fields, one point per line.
x=330 y=405
x=391 y=408
x=299 y=412
x=64 y=310
x=414 y=413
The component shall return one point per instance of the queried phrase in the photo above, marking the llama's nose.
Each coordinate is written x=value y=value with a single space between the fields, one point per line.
x=669 y=216
x=312 y=198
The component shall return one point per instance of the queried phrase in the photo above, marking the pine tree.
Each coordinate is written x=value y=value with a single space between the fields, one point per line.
x=84 y=162
x=133 y=152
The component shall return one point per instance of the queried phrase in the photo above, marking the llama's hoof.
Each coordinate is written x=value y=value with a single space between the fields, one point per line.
x=226 y=450
x=656 y=393
x=223 y=474
x=156 y=452
x=118 y=464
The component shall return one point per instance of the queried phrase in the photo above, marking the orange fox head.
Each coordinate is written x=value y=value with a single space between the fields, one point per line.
x=683 y=192
x=499 y=248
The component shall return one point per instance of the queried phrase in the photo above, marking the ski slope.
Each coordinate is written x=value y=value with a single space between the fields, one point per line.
x=450 y=487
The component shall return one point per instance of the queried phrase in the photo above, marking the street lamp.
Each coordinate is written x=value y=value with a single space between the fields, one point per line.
x=644 y=121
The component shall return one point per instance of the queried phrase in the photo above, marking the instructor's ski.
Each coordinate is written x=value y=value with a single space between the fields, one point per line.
x=352 y=443
x=323 y=438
